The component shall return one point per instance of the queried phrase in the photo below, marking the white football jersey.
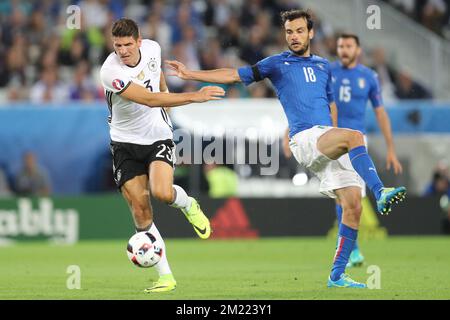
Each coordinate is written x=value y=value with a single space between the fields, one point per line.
x=129 y=121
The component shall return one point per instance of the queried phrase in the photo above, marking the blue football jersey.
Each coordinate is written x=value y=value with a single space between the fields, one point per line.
x=352 y=89
x=303 y=86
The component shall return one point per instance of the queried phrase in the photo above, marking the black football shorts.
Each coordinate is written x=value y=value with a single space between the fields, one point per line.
x=131 y=160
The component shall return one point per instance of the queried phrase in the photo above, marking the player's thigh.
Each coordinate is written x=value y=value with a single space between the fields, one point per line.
x=161 y=179
x=334 y=143
x=136 y=192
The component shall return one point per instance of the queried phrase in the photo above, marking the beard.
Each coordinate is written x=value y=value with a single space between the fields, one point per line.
x=300 y=51
x=348 y=60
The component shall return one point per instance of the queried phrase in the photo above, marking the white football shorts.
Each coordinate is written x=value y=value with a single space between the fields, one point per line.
x=333 y=174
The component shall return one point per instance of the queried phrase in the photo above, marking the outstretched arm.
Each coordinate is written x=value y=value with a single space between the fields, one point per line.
x=139 y=94
x=385 y=126
x=224 y=75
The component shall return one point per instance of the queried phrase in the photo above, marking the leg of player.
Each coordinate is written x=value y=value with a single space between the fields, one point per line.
x=356 y=258
x=338 y=141
x=137 y=194
x=163 y=189
x=350 y=199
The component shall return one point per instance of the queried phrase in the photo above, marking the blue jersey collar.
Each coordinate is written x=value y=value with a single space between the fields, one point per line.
x=293 y=55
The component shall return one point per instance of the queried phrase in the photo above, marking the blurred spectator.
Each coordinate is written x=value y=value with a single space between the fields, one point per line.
x=386 y=74
x=407 y=88
x=5 y=190
x=211 y=55
x=82 y=87
x=222 y=181
x=440 y=183
x=253 y=50
x=157 y=29
x=189 y=44
x=95 y=13
x=233 y=92
x=217 y=13
x=17 y=59
x=249 y=12
x=433 y=14
x=185 y=15
x=440 y=187
x=37 y=27
x=32 y=179
x=49 y=88
x=74 y=48
x=230 y=34
x=406 y=6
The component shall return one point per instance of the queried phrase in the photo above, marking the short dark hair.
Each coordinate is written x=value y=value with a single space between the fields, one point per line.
x=295 y=14
x=125 y=27
x=349 y=36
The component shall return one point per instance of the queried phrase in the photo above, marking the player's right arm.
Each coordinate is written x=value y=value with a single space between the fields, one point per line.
x=224 y=75
x=139 y=94
x=116 y=82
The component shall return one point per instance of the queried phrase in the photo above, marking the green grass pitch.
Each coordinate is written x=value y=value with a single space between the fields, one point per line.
x=272 y=268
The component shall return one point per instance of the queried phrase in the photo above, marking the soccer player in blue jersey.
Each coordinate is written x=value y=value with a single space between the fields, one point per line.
x=353 y=85
x=303 y=84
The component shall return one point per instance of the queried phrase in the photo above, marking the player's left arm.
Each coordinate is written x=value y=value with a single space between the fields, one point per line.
x=385 y=126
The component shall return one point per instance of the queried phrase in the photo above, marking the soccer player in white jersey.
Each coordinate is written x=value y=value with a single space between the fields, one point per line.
x=141 y=134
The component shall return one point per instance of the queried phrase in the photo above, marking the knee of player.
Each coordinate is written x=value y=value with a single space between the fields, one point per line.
x=139 y=208
x=163 y=194
x=356 y=137
x=353 y=207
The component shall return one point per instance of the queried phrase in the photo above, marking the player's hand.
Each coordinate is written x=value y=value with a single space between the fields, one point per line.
x=209 y=93
x=178 y=69
x=392 y=162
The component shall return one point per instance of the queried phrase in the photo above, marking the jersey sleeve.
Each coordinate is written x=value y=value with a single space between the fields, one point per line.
x=375 y=91
x=113 y=79
x=262 y=69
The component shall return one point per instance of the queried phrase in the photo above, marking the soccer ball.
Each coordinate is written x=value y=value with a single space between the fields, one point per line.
x=144 y=250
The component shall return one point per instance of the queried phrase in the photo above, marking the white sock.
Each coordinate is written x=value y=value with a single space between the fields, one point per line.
x=163 y=265
x=182 y=200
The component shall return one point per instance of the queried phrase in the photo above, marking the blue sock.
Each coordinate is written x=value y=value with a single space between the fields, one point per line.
x=339 y=214
x=339 y=220
x=347 y=238
x=363 y=165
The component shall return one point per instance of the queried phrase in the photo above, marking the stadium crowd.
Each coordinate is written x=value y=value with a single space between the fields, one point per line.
x=41 y=60
x=432 y=14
